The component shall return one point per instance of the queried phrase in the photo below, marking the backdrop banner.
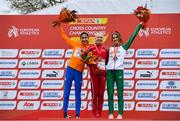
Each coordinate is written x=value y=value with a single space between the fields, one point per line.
x=33 y=58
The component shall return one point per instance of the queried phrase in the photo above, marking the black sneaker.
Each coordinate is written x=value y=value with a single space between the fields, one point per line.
x=66 y=115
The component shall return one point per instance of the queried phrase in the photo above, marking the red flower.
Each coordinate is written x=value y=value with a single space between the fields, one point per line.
x=91 y=61
x=90 y=54
x=139 y=7
x=65 y=16
x=89 y=58
x=143 y=14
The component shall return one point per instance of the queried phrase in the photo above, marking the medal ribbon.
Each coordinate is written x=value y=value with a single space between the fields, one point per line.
x=99 y=52
x=115 y=52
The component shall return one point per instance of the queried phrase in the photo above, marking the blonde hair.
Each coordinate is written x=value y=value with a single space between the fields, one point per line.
x=97 y=34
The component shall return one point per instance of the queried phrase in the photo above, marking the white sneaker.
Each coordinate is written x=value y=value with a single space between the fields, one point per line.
x=111 y=116
x=119 y=116
x=77 y=117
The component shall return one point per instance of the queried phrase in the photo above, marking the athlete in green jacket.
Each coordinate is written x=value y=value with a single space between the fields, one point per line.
x=115 y=70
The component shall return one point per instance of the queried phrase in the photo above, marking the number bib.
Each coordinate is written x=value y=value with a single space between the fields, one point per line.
x=77 y=53
x=101 y=64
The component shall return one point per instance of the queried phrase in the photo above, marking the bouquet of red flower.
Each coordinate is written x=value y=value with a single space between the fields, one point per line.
x=89 y=58
x=65 y=16
x=143 y=14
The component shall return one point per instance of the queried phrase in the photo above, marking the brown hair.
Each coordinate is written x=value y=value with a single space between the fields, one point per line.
x=119 y=36
x=84 y=33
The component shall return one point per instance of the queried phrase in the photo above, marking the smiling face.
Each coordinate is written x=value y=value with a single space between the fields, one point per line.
x=117 y=39
x=99 y=38
x=84 y=38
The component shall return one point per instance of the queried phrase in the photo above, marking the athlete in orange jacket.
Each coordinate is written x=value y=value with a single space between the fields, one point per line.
x=74 y=70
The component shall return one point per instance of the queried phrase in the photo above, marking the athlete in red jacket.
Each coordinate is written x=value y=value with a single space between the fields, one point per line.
x=98 y=74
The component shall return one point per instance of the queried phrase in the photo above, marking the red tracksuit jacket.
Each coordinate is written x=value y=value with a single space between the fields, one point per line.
x=99 y=67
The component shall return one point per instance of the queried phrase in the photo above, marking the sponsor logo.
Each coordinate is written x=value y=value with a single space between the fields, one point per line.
x=84 y=74
x=16 y=32
x=147 y=95
x=68 y=53
x=83 y=105
x=67 y=61
x=51 y=105
x=128 y=84
x=129 y=53
x=53 y=63
x=128 y=95
x=105 y=105
x=28 y=105
x=7 y=105
x=8 y=84
x=147 y=106
x=88 y=21
x=8 y=73
x=52 y=73
x=143 y=32
x=88 y=75
x=170 y=74
x=30 y=53
x=147 y=63
x=52 y=94
x=147 y=84
x=28 y=63
x=84 y=84
x=13 y=31
x=169 y=63
x=53 y=53
x=170 y=95
x=8 y=94
x=147 y=74
x=52 y=84
x=90 y=105
x=115 y=105
x=10 y=63
x=29 y=73
x=160 y=31
x=170 y=53
x=170 y=106
x=146 y=53
x=128 y=74
x=72 y=105
x=128 y=63
x=8 y=53
x=170 y=85
x=83 y=95
x=90 y=95
x=129 y=105
x=89 y=85
x=105 y=95
x=29 y=84
x=28 y=94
